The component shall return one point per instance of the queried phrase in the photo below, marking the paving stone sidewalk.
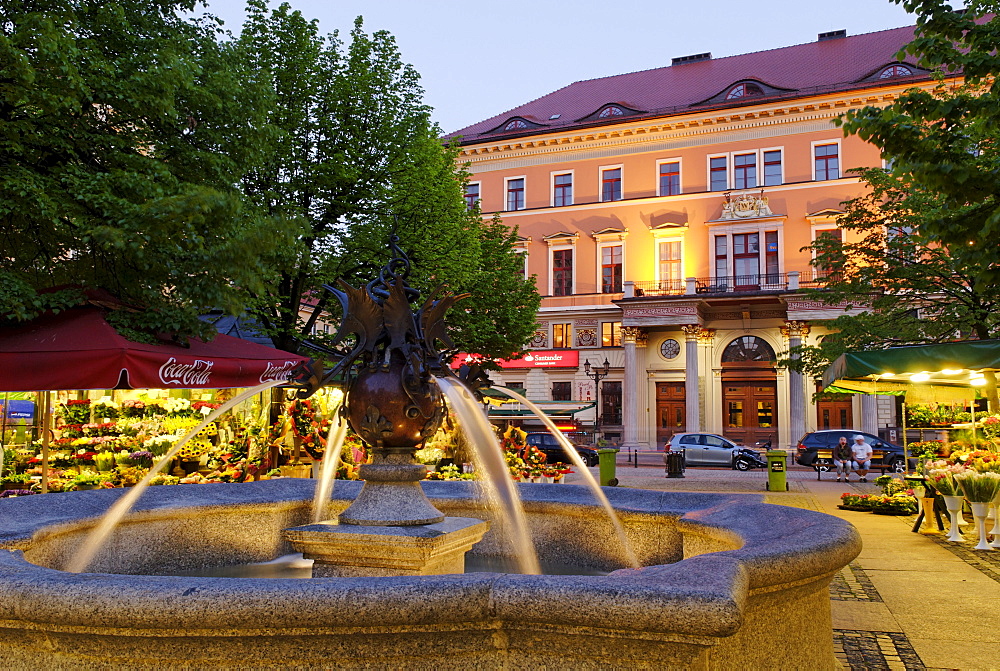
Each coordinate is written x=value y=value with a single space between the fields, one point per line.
x=885 y=613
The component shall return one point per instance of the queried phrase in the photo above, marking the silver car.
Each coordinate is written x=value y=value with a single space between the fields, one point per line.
x=709 y=449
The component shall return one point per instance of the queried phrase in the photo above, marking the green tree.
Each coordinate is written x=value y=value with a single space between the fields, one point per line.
x=945 y=139
x=913 y=289
x=354 y=159
x=123 y=128
x=499 y=317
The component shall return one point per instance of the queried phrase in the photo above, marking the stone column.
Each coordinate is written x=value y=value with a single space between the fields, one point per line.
x=691 y=401
x=630 y=389
x=795 y=331
x=869 y=414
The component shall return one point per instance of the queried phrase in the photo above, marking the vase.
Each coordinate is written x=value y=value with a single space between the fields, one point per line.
x=927 y=505
x=979 y=511
x=954 y=505
x=547 y=480
x=995 y=531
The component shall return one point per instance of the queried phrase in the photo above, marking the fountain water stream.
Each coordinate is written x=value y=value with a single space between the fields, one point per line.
x=96 y=540
x=588 y=477
x=498 y=487
x=331 y=455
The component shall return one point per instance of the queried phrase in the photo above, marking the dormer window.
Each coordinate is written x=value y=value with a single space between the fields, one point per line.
x=515 y=124
x=744 y=90
x=611 y=110
x=895 y=71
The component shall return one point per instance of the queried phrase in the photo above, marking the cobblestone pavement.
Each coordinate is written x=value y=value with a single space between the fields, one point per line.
x=853 y=584
x=871 y=650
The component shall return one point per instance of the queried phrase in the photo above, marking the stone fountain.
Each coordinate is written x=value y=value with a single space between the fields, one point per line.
x=726 y=581
x=394 y=405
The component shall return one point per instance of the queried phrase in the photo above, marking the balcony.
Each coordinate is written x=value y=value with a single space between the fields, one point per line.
x=730 y=285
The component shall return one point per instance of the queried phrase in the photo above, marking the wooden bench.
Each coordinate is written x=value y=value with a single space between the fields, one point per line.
x=824 y=462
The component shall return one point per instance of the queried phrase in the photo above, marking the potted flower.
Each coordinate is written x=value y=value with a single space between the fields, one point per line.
x=16 y=481
x=899 y=504
x=86 y=479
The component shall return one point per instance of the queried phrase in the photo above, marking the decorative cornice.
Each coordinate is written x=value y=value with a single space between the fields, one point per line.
x=687 y=125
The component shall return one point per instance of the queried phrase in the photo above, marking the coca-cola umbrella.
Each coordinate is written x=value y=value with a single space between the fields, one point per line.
x=79 y=349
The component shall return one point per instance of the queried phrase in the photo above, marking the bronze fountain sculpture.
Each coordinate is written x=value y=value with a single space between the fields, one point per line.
x=394 y=404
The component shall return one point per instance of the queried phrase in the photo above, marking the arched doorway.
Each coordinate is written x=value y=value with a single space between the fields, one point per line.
x=749 y=391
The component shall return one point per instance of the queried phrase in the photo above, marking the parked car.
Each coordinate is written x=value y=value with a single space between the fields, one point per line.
x=709 y=449
x=554 y=452
x=811 y=443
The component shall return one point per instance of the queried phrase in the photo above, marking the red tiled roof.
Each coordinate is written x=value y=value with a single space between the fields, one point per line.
x=804 y=68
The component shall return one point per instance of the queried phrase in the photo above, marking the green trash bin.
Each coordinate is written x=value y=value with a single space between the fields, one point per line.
x=606 y=457
x=776 y=476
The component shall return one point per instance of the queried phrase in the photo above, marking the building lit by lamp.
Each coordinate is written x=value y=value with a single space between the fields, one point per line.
x=663 y=213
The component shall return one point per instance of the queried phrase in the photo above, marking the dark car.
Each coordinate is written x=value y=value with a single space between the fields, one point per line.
x=553 y=451
x=811 y=443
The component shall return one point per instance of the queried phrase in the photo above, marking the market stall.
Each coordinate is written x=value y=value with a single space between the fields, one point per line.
x=78 y=349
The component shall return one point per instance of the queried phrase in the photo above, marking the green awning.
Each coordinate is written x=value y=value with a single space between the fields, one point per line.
x=948 y=366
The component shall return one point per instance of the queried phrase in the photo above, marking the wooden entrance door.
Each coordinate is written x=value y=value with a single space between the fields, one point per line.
x=671 y=410
x=834 y=411
x=749 y=410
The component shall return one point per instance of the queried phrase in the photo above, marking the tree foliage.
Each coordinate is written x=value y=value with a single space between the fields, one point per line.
x=946 y=139
x=914 y=289
x=354 y=159
x=123 y=128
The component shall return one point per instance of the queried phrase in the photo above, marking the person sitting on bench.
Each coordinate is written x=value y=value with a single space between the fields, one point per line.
x=862 y=456
x=842 y=456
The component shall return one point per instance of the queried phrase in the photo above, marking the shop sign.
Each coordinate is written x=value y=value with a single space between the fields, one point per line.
x=278 y=371
x=21 y=410
x=196 y=373
x=569 y=358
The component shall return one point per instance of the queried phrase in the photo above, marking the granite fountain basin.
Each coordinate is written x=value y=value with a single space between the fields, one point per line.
x=727 y=582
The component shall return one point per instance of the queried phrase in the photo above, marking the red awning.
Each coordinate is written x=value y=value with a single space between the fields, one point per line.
x=79 y=349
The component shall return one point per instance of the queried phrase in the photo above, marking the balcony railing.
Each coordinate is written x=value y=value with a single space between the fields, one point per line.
x=730 y=284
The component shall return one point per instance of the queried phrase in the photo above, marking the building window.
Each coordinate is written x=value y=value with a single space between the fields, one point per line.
x=611 y=269
x=745 y=171
x=771 y=256
x=471 y=195
x=562 y=272
x=611 y=184
x=744 y=90
x=516 y=124
x=895 y=71
x=562 y=190
x=827 y=161
x=562 y=335
x=746 y=258
x=748 y=348
x=611 y=402
x=562 y=391
x=611 y=334
x=772 y=167
x=670 y=178
x=611 y=110
x=721 y=257
x=670 y=264
x=515 y=194
x=718 y=179
x=836 y=237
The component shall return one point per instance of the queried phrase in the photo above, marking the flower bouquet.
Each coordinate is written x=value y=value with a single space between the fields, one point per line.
x=980 y=489
x=858 y=502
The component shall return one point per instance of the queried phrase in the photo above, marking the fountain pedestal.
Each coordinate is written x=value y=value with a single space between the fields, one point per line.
x=349 y=550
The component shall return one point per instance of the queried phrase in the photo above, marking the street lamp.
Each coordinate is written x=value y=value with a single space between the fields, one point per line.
x=597 y=374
